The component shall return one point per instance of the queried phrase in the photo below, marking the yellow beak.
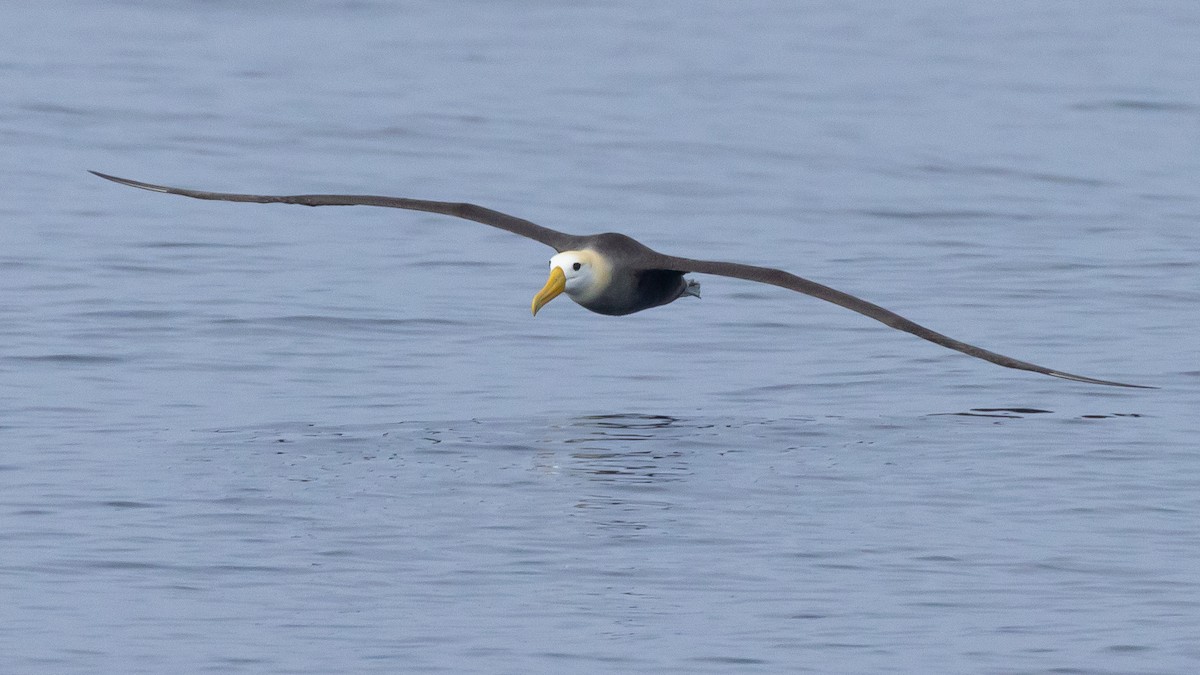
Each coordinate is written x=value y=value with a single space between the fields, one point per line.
x=554 y=286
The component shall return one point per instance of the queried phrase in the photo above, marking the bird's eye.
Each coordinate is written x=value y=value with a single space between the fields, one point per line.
x=576 y=267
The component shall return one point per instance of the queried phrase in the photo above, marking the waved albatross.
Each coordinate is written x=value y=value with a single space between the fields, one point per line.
x=613 y=274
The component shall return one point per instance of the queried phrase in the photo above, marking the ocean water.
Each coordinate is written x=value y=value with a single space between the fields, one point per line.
x=269 y=439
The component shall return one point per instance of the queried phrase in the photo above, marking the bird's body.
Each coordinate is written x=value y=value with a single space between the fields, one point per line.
x=629 y=287
x=614 y=274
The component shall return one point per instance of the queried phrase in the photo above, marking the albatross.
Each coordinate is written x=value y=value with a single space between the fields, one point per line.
x=614 y=274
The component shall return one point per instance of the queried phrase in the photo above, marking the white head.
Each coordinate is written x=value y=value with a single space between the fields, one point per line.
x=582 y=275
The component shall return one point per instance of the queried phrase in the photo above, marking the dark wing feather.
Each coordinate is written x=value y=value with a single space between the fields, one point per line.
x=775 y=277
x=559 y=241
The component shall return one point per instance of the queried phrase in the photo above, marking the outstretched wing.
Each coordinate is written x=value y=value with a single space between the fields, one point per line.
x=776 y=277
x=559 y=241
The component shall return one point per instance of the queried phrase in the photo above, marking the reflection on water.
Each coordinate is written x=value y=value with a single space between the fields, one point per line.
x=1009 y=413
x=627 y=421
x=626 y=461
x=628 y=449
x=1018 y=413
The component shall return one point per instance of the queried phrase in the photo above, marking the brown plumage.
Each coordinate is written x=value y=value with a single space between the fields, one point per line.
x=614 y=274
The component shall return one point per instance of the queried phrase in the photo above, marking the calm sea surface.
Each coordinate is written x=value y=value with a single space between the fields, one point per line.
x=268 y=439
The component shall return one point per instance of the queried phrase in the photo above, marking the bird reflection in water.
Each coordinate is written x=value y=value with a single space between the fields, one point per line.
x=613 y=448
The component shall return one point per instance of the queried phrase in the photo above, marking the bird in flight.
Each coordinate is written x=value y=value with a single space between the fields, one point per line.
x=614 y=274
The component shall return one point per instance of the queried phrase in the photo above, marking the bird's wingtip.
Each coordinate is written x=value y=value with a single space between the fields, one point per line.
x=1093 y=380
x=105 y=176
x=129 y=182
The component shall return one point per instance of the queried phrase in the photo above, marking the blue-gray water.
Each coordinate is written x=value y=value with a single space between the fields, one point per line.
x=270 y=439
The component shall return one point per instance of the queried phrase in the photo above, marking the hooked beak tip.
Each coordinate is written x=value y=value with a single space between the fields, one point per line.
x=554 y=286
